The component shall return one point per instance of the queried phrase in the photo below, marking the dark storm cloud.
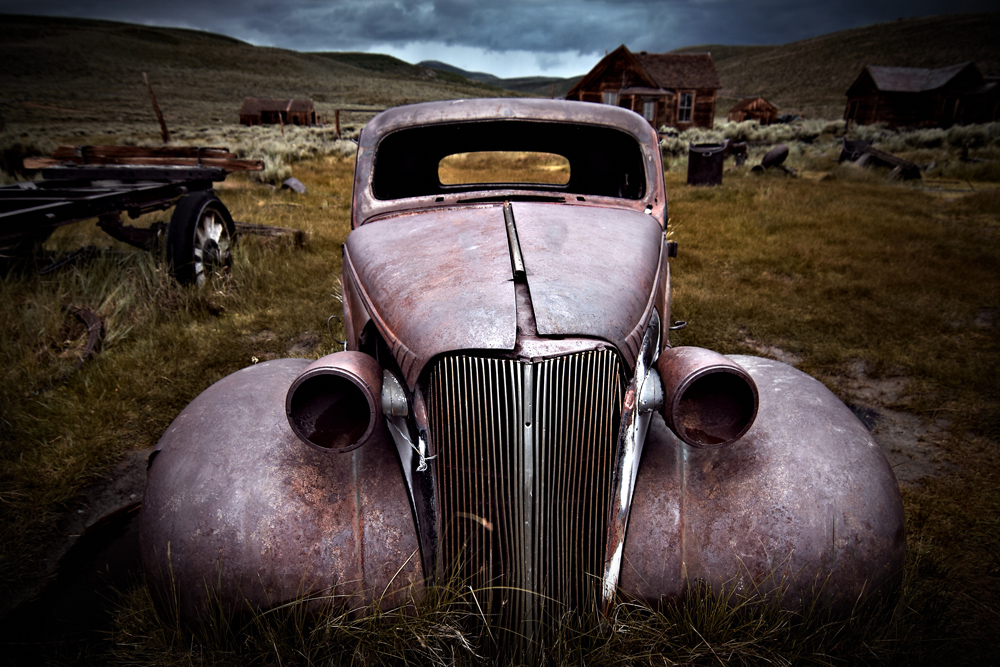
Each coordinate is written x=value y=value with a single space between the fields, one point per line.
x=555 y=26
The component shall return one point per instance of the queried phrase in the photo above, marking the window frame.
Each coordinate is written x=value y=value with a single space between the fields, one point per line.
x=688 y=117
x=649 y=109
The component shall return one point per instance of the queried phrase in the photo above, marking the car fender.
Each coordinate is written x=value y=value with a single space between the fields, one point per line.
x=240 y=513
x=804 y=505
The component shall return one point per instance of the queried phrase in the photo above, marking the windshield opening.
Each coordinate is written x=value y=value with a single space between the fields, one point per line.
x=525 y=167
x=593 y=160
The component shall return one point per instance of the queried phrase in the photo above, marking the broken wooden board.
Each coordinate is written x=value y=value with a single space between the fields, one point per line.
x=297 y=236
x=181 y=156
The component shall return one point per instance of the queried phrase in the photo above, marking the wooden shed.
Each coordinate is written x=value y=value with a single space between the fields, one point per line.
x=919 y=97
x=754 y=108
x=267 y=111
x=673 y=89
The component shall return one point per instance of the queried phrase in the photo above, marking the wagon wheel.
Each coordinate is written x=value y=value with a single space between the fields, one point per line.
x=199 y=238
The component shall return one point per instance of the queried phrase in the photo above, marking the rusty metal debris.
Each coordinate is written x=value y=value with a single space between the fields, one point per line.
x=738 y=149
x=774 y=159
x=861 y=153
x=95 y=332
x=705 y=161
x=293 y=184
x=705 y=164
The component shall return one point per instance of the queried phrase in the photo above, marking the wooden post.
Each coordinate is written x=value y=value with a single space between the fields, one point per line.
x=336 y=121
x=156 y=108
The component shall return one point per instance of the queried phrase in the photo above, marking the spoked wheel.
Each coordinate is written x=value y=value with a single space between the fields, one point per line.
x=199 y=238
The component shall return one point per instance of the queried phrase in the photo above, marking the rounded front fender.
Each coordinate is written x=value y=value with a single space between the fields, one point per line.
x=804 y=505
x=239 y=513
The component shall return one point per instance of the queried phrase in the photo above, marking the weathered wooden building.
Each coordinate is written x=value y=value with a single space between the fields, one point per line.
x=919 y=97
x=674 y=89
x=266 y=111
x=754 y=108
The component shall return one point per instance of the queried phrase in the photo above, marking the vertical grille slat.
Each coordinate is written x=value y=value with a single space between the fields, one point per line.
x=546 y=538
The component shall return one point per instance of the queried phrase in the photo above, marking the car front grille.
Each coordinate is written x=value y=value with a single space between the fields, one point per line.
x=524 y=463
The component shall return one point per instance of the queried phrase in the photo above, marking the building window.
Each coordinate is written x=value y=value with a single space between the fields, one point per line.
x=611 y=97
x=649 y=110
x=684 y=108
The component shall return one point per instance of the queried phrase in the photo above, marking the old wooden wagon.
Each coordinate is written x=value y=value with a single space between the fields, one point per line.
x=102 y=182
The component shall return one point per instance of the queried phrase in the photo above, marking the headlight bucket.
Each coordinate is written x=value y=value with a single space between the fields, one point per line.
x=336 y=403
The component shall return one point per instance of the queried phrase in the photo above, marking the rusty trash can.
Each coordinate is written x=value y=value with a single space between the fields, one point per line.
x=705 y=164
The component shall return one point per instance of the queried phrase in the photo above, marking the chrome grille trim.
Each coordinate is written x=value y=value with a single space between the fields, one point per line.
x=525 y=454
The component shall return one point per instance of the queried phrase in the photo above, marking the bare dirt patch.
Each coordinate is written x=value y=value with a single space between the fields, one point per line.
x=915 y=446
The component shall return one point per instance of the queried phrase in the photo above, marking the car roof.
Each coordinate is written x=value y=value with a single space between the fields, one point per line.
x=441 y=114
x=451 y=111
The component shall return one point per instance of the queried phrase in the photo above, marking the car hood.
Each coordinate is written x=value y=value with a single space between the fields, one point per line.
x=441 y=280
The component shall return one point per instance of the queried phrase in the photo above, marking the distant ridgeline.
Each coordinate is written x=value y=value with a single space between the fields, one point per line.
x=61 y=72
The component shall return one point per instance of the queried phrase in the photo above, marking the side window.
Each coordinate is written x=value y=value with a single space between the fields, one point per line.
x=649 y=110
x=611 y=97
x=685 y=105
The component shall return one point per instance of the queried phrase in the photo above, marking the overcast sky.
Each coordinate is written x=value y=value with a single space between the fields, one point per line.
x=508 y=38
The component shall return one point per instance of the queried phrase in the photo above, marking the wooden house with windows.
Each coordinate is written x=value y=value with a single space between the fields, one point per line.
x=673 y=89
x=753 y=108
x=919 y=97
x=266 y=111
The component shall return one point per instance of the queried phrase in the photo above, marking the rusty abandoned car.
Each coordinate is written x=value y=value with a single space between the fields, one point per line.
x=509 y=410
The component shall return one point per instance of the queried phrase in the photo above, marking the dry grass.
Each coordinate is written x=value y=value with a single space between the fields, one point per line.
x=74 y=73
x=445 y=628
x=504 y=167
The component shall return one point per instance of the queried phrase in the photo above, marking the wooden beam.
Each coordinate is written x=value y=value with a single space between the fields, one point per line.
x=156 y=107
x=87 y=152
x=229 y=164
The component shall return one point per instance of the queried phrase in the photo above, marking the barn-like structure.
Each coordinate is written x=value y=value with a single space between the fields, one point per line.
x=268 y=111
x=753 y=108
x=920 y=97
x=673 y=89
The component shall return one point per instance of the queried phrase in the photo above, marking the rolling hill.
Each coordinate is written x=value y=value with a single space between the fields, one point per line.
x=543 y=86
x=61 y=73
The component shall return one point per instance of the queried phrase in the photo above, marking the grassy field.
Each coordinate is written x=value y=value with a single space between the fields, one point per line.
x=58 y=71
x=863 y=282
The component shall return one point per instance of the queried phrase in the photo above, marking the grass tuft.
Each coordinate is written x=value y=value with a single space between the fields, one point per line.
x=445 y=627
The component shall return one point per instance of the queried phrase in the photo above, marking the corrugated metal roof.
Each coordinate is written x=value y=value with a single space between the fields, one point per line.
x=254 y=105
x=913 y=79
